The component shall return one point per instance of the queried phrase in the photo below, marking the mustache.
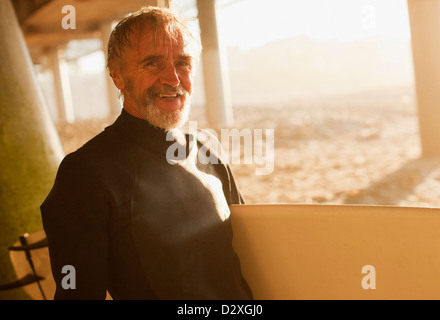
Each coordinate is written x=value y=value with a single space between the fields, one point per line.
x=151 y=92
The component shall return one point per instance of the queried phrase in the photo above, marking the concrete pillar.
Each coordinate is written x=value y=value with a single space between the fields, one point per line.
x=164 y=3
x=30 y=150
x=112 y=91
x=61 y=80
x=424 y=18
x=216 y=80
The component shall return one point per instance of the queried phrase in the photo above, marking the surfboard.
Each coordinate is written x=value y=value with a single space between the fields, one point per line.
x=332 y=252
x=302 y=252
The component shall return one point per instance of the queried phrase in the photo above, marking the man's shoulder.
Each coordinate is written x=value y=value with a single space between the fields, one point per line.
x=96 y=145
x=104 y=148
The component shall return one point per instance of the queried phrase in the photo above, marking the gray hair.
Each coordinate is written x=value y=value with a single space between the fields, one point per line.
x=161 y=19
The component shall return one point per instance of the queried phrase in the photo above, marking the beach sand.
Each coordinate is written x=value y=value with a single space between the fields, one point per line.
x=352 y=149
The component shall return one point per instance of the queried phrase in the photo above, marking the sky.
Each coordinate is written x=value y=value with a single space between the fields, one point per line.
x=251 y=23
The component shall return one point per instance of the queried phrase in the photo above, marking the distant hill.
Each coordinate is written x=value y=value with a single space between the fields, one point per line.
x=296 y=70
x=303 y=68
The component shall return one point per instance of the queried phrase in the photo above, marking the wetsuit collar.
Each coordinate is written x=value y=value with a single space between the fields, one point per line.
x=145 y=134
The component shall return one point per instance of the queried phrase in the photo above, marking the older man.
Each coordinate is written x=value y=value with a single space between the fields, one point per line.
x=126 y=219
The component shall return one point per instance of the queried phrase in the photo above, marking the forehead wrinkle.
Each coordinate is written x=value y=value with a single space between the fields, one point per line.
x=157 y=37
x=137 y=36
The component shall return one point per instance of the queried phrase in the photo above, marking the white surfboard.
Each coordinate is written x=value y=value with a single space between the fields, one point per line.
x=338 y=251
x=291 y=252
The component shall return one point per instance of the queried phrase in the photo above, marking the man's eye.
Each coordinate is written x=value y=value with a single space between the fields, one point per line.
x=184 y=64
x=151 y=64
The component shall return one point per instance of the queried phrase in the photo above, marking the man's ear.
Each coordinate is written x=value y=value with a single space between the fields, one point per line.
x=116 y=75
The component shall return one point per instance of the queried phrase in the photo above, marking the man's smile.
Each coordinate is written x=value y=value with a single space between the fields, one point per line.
x=169 y=96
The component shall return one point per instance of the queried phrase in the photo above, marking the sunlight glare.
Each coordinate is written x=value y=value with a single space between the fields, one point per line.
x=252 y=23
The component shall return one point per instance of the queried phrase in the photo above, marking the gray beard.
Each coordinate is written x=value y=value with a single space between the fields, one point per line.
x=159 y=118
x=165 y=120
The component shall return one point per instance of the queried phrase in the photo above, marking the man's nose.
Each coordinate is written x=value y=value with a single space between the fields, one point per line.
x=169 y=76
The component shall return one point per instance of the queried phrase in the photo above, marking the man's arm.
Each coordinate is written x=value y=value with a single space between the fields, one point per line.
x=231 y=190
x=210 y=145
x=75 y=221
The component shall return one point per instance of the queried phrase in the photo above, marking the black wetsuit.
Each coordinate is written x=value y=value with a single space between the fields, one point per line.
x=131 y=223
